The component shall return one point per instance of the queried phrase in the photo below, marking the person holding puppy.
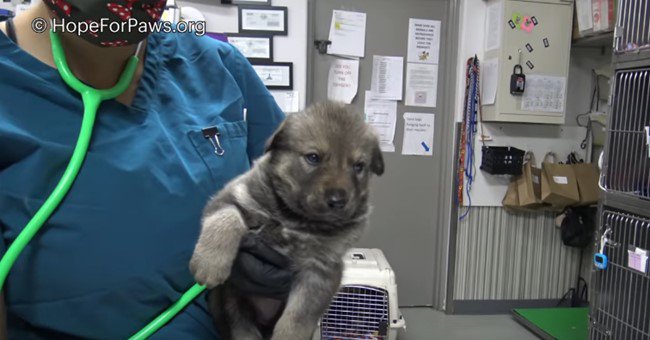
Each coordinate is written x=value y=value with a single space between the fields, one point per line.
x=116 y=251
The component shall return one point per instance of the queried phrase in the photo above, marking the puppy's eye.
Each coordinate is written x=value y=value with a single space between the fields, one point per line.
x=312 y=158
x=359 y=167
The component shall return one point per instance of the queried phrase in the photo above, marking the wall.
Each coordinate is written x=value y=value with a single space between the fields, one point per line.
x=499 y=256
x=290 y=48
x=511 y=257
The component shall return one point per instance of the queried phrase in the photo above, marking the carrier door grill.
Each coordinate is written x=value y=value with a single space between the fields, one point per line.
x=621 y=308
x=356 y=312
x=627 y=168
x=633 y=31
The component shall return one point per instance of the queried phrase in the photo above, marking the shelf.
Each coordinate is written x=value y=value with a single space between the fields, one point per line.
x=600 y=40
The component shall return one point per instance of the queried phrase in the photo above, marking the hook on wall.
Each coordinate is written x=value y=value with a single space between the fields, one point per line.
x=321 y=45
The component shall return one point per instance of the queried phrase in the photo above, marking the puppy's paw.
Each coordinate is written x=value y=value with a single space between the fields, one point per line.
x=217 y=246
x=210 y=272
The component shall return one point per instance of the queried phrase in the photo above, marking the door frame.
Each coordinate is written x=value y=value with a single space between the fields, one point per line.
x=445 y=236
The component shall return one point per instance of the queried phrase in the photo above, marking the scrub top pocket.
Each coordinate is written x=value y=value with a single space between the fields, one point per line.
x=223 y=149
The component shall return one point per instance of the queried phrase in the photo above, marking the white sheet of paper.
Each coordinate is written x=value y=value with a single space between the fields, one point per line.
x=421 y=85
x=493 y=25
x=418 y=134
x=288 y=101
x=424 y=41
x=597 y=15
x=263 y=20
x=489 y=81
x=638 y=259
x=381 y=114
x=387 y=77
x=544 y=93
x=585 y=20
x=348 y=34
x=21 y=8
x=252 y=47
x=343 y=81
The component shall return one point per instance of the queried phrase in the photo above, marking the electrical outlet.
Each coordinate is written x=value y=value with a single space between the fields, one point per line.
x=599 y=117
x=599 y=132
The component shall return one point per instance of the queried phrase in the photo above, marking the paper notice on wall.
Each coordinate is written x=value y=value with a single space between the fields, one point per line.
x=387 y=77
x=288 y=101
x=493 y=24
x=584 y=14
x=421 y=85
x=544 y=94
x=343 y=81
x=424 y=41
x=381 y=114
x=348 y=34
x=489 y=81
x=418 y=134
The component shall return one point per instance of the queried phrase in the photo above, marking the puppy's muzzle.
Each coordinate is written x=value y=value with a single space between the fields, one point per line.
x=336 y=199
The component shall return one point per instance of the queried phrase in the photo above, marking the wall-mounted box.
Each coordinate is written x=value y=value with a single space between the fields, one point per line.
x=537 y=36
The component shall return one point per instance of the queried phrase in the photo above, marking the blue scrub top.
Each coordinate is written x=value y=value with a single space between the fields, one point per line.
x=116 y=252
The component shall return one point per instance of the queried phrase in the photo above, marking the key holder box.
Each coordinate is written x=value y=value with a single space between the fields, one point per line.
x=537 y=36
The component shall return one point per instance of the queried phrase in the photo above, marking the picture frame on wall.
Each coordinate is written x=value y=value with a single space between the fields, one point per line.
x=263 y=20
x=275 y=75
x=247 y=2
x=255 y=47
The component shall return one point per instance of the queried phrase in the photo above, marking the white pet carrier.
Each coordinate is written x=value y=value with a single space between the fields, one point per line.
x=366 y=305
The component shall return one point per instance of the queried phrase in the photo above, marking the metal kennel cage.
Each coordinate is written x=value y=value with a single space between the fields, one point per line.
x=632 y=31
x=620 y=293
x=365 y=307
x=627 y=166
x=620 y=308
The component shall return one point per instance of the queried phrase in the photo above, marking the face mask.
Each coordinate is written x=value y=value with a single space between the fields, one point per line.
x=116 y=22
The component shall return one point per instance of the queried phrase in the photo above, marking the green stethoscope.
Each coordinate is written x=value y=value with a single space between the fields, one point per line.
x=92 y=98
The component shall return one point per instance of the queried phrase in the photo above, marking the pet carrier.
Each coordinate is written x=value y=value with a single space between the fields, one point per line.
x=365 y=307
x=621 y=307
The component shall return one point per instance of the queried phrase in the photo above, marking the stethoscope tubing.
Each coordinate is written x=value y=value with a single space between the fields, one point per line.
x=92 y=98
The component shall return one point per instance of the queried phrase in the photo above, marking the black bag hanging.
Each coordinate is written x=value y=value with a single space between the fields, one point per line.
x=577 y=228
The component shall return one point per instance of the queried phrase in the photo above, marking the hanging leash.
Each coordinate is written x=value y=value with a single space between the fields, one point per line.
x=467 y=167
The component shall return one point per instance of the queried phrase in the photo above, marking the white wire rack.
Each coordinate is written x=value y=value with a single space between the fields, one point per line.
x=633 y=26
x=627 y=165
x=357 y=312
x=621 y=304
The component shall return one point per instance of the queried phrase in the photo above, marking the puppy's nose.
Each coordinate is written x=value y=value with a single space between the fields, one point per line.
x=336 y=198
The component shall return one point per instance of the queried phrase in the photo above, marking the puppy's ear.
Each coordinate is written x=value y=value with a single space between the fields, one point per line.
x=278 y=139
x=377 y=161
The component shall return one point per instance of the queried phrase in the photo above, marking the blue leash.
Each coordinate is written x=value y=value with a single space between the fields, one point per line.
x=471 y=124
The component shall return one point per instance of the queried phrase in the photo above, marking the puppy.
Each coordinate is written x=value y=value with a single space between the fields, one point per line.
x=307 y=198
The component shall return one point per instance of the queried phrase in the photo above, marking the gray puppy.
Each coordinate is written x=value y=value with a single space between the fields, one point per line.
x=307 y=198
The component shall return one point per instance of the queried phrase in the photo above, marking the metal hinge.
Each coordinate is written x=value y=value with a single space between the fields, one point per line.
x=618 y=34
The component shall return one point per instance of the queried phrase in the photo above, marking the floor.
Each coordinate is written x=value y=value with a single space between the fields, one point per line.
x=429 y=324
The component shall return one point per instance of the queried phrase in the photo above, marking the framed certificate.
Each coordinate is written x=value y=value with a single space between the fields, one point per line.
x=247 y=2
x=276 y=76
x=253 y=47
x=263 y=19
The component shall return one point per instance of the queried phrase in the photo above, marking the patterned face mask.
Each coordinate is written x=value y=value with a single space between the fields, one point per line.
x=109 y=23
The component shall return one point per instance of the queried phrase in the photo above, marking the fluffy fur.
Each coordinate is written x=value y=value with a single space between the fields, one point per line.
x=307 y=197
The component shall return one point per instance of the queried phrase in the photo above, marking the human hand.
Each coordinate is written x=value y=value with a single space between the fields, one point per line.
x=259 y=269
